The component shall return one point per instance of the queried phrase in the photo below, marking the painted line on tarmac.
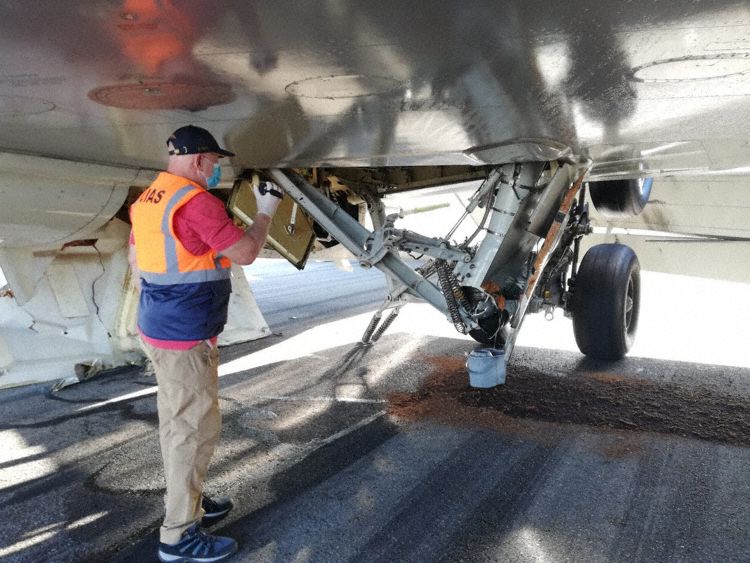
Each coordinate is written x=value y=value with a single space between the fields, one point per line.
x=323 y=399
x=120 y=399
x=350 y=429
x=152 y=391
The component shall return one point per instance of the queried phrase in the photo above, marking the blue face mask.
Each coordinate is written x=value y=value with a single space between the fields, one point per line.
x=213 y=180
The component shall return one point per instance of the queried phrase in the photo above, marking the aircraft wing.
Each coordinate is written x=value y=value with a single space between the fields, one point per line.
x=639 y=87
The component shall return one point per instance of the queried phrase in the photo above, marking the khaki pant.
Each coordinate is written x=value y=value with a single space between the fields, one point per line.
x=189 y=425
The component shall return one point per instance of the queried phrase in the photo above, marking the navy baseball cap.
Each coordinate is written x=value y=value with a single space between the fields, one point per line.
x=194 y=140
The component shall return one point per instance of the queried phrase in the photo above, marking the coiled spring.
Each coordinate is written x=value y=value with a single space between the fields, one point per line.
x=454 y=295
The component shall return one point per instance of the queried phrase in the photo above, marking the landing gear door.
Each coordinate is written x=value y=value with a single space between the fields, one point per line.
x=291 y=235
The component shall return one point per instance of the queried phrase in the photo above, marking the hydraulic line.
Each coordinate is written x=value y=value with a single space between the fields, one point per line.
x=485 y=191
x=427 y=269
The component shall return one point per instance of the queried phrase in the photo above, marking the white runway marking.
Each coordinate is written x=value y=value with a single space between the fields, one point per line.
x=323 y=399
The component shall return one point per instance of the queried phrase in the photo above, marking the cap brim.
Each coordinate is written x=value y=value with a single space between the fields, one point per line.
x=223 y=152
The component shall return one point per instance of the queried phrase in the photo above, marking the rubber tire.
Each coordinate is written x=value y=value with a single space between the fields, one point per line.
x=609 y=276
x=620 y=199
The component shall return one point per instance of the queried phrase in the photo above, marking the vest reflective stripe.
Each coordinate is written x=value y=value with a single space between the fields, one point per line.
x=198 y=276
x=170 y=244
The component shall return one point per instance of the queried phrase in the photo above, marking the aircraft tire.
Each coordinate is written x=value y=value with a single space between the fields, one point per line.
x=606 y=300
x=620 y=199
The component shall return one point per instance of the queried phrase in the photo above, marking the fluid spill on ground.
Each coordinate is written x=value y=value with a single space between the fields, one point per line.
x=594 y=399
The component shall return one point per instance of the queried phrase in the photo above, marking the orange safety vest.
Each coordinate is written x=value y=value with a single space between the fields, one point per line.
x=183 y=296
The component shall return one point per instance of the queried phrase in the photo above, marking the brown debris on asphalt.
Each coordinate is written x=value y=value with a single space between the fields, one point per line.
x=588 y=398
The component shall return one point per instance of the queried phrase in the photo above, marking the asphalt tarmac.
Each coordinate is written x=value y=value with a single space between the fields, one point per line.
x=337 y=452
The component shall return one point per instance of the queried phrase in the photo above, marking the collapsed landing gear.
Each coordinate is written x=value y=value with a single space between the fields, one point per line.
x=606 y=301
x=534 y=216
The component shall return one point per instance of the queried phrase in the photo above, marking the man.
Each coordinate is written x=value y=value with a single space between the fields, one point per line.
x=182 y=243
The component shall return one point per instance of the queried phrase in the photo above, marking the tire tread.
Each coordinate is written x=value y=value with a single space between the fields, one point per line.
x=598 y=301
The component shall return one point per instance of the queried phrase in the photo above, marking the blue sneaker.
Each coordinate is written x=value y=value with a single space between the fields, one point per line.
x=197 y=546
x=215 y=509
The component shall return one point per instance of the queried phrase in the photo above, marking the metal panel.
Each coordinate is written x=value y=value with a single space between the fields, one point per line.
x=67 y=291
x=49 y=201
x=291 y=234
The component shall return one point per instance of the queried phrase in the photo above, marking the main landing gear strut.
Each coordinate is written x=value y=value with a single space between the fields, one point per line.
x=533 y=218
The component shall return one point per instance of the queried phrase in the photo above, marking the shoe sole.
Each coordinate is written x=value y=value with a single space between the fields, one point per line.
x=216 y=514
x=211 y=518
x=219 y=513
x=169 y=558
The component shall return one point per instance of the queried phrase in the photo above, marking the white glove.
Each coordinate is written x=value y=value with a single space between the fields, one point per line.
x=268 y=196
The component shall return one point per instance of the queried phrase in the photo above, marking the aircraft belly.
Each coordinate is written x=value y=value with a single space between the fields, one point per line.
x=387 y=83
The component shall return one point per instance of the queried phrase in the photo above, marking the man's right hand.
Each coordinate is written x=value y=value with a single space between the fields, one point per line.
x=268 y=196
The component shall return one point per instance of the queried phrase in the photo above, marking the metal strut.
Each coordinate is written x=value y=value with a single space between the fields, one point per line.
x=551 y=241
x=354 y=237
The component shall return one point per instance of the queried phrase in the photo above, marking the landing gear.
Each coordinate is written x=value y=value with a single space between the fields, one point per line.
x=620 y=199
x=605 y=302
x=533 y=216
